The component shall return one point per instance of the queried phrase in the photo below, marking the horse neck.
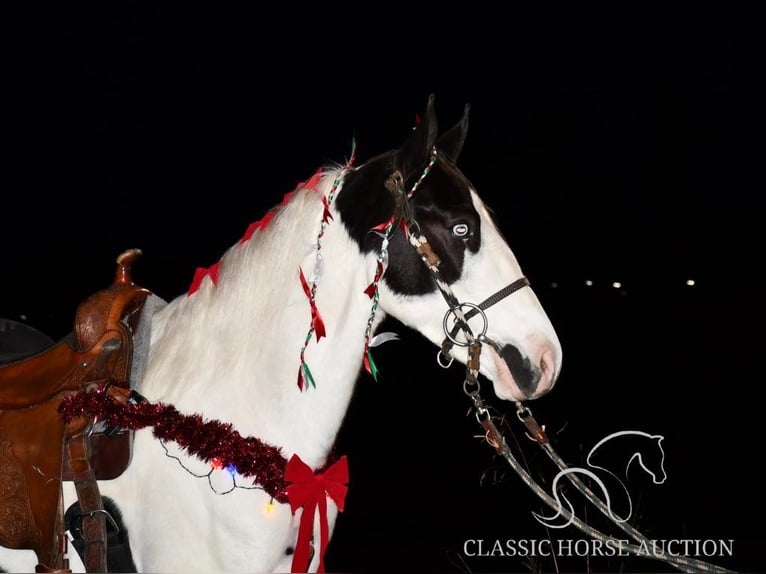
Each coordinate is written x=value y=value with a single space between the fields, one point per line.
x=232 y=351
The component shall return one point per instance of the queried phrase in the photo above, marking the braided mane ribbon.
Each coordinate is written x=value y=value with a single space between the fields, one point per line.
x=316 y=319
x=309 y=490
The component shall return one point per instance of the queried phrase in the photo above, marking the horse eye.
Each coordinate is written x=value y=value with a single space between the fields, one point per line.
x=461 y=230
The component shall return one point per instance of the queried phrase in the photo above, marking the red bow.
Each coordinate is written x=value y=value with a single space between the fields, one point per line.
x=201 y=273
x=309 y=490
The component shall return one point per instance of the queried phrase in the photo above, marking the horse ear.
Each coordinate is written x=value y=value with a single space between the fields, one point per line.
x=451 y=142
x=414 y=152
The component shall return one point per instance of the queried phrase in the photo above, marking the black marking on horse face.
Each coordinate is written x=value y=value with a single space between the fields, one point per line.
x=525 y=374
x=441 y=202
x=441 y=205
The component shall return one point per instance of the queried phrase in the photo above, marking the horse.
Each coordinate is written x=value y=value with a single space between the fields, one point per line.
x=249 y=373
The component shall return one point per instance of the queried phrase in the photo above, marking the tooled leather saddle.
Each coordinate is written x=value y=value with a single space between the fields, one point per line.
x=38 y=451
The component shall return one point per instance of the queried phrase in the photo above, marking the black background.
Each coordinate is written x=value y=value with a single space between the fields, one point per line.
x=614 y=143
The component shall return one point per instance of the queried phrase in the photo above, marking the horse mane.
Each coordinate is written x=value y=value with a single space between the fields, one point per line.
x=274 y=245
x=244 y=298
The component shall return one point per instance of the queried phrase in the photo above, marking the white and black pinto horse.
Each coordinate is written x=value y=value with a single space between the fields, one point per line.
x=268 y=344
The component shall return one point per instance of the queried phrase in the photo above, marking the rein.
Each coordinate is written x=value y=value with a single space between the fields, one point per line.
x=497 y=441
x=471 y=386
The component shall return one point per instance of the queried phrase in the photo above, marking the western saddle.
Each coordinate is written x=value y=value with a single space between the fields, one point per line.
x=38 y=451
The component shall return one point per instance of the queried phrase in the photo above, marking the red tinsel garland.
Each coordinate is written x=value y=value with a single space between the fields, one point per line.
x=206 y=440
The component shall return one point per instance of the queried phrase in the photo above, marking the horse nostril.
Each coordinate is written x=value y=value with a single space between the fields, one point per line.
x=548 y=367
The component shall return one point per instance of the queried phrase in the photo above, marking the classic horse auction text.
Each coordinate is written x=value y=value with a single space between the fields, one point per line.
x=526 y=547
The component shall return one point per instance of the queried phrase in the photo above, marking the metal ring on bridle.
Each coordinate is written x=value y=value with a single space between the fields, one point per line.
x=452 y=311
x=444 y=363
x=469 y=381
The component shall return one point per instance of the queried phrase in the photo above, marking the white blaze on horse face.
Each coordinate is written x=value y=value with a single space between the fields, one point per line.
x=526 y=357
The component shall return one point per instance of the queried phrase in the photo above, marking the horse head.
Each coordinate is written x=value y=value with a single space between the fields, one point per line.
x=651 y=459
x=638 y=447
x=471 y=277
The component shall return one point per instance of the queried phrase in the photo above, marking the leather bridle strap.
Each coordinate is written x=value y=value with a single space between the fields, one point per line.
x=500 y=295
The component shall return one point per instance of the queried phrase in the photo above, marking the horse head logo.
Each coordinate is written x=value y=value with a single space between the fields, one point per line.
x=639 y=447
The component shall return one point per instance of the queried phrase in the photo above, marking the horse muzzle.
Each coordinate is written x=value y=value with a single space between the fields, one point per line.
x=518 y=377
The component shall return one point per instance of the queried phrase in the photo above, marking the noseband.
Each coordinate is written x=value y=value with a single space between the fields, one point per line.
x=404 y=213
x=474 y=310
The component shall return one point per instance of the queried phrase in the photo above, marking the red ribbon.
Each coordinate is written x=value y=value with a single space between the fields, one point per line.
x=372 y=287
x=382 y=226
x=201 y=273
x=316 y=318
x=366 y=362
x=326 y=215
x=300 y=377
x=312 y=182
x=370 y=291
x=250 y=230
x=309 y=490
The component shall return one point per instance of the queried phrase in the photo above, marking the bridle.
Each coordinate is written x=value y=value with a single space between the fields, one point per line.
x=455 y=312
x=471 y=387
